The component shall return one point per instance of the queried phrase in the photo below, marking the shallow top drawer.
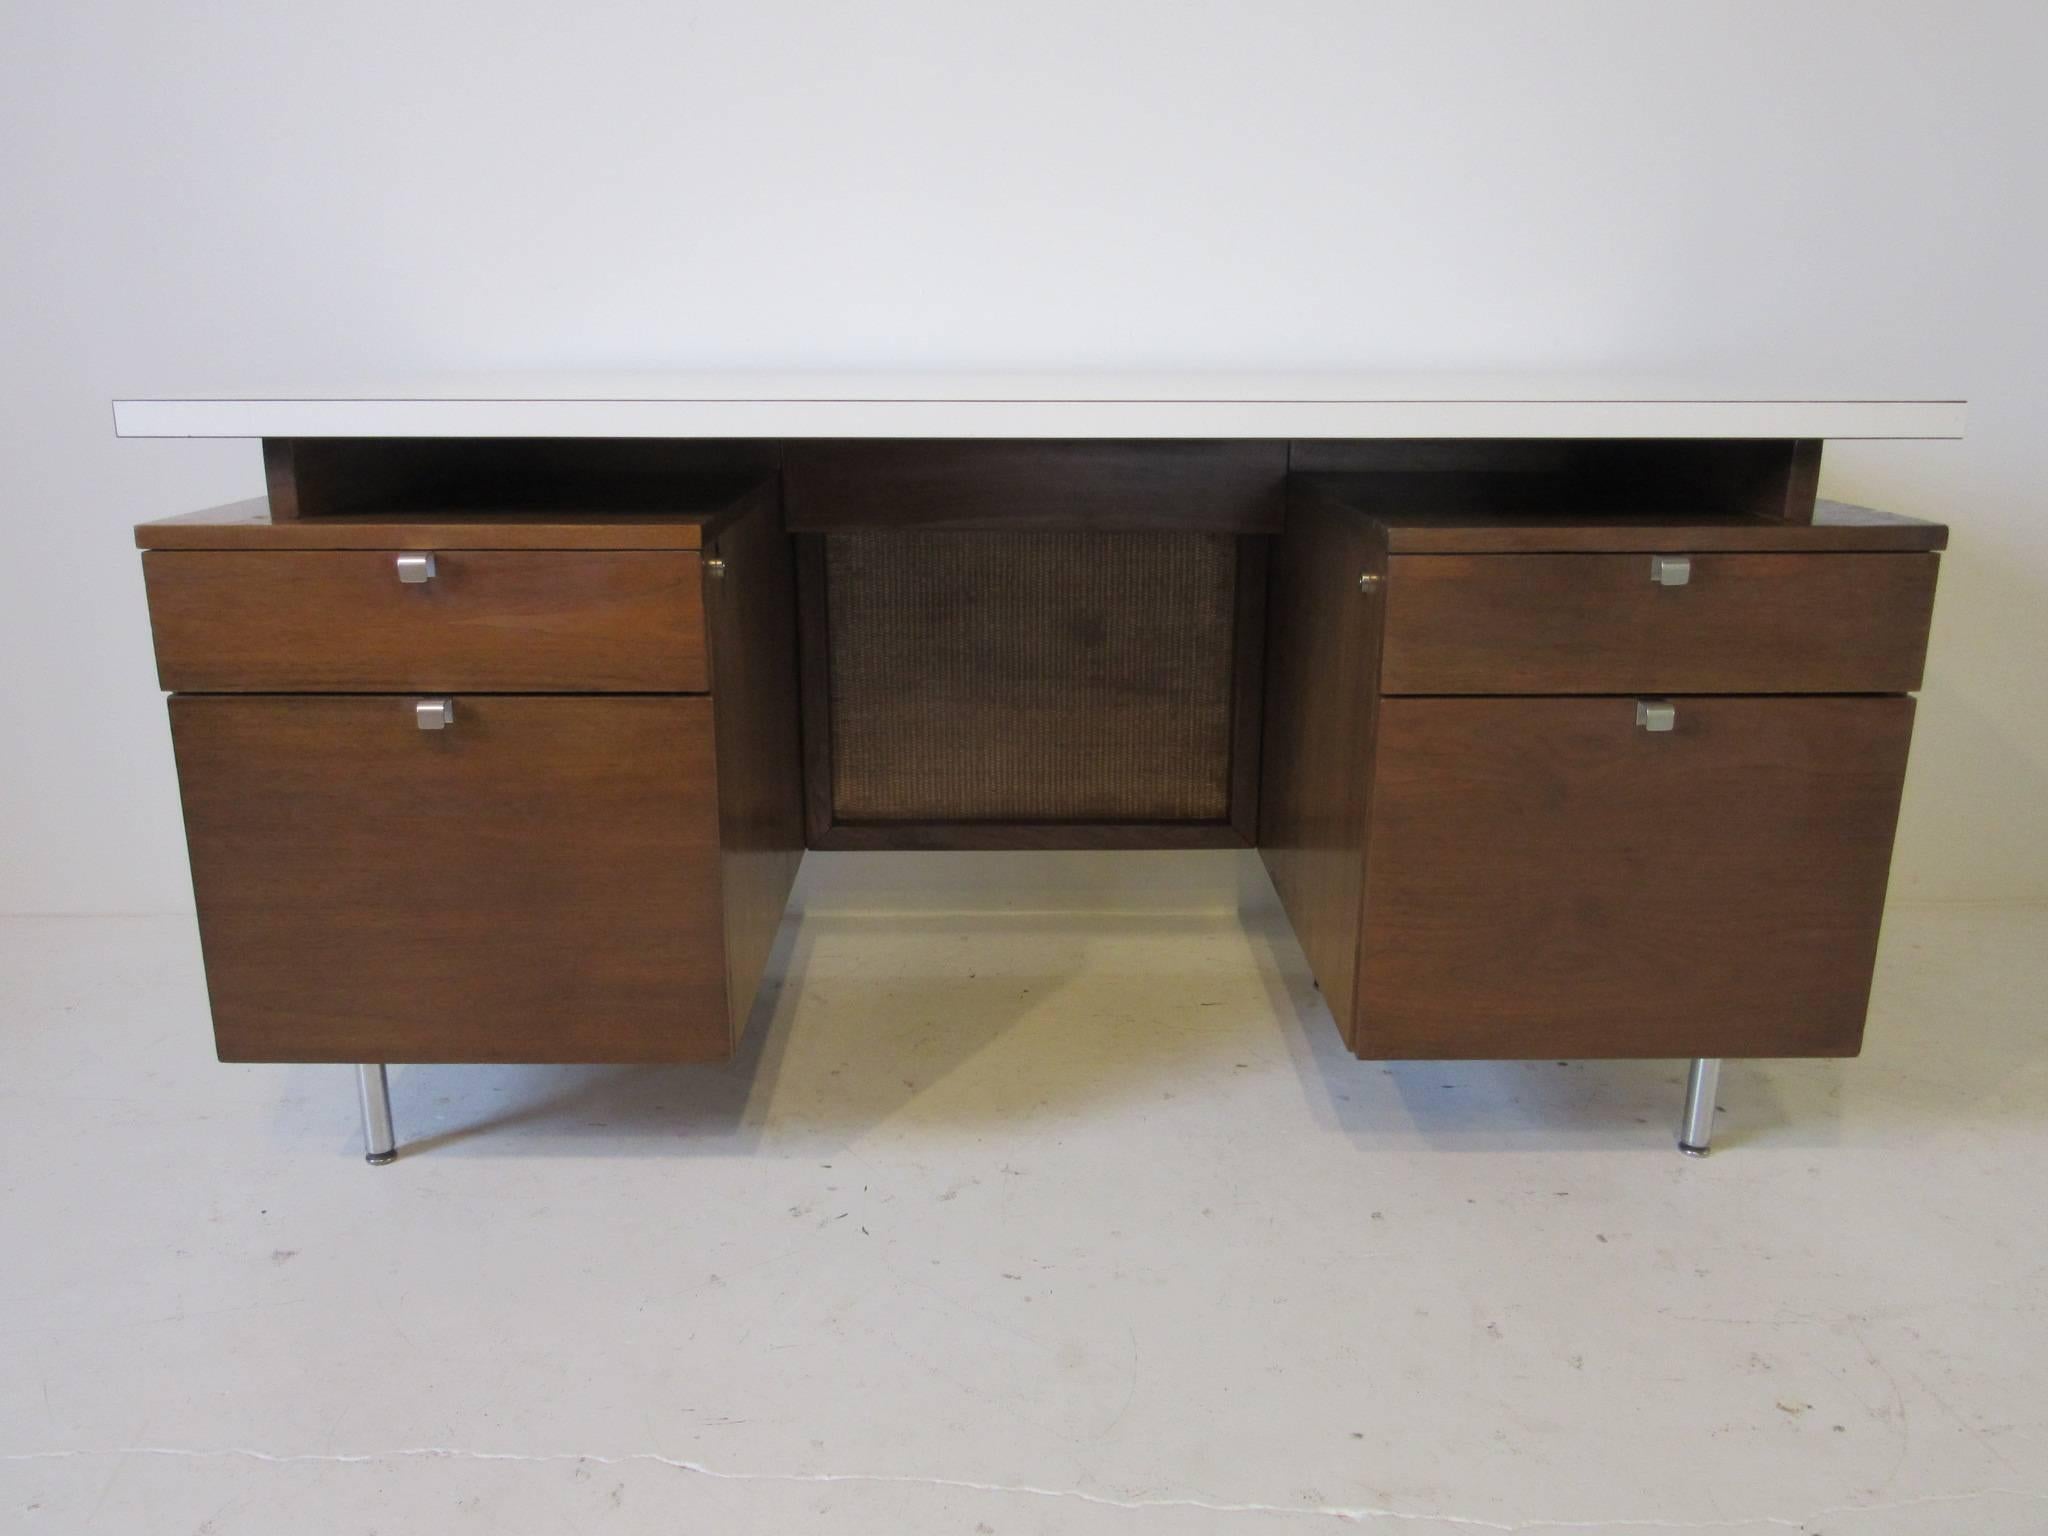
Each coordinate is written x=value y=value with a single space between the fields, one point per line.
x=1640 y=623
x=345 y=621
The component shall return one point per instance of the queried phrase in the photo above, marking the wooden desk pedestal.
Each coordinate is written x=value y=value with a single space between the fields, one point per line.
x=585 y=859
x=510 y=752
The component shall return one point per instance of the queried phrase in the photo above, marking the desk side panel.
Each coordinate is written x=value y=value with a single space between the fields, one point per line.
x=1322 y=686
x=750 y=609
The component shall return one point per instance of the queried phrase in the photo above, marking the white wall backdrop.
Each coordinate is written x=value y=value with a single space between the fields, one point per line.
x=1849 y=188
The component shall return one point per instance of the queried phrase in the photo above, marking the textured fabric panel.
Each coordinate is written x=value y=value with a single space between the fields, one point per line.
x=1080 y=676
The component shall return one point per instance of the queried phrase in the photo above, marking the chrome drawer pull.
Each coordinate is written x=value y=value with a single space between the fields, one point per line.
x=434 y=714
x=414 y=569
x=1656 y=715
x=1671 y=570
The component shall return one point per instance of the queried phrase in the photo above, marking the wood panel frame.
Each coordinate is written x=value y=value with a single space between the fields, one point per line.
x=1222 y=486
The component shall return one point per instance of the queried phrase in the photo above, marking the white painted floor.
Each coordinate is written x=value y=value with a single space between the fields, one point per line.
x=1046 y=1200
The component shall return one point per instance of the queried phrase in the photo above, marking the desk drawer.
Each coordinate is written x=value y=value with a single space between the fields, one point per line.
x=536 y=880
x=343 y=621
x=1740 y=623
x=1544 y=877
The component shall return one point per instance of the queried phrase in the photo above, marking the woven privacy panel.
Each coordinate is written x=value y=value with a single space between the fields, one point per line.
x=1080 y=676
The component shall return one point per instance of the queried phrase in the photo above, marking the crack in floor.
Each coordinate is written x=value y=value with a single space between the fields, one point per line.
x=1353 y=1513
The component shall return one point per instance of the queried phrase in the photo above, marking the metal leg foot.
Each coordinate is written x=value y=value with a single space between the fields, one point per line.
x=1696 y=1131
x=379 y=1145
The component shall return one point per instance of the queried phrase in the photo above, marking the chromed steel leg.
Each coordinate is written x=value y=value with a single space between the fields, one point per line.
x=379 y=1145
x=1696 y=1132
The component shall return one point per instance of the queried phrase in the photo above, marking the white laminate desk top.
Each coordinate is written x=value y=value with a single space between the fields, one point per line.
x=1040 y=405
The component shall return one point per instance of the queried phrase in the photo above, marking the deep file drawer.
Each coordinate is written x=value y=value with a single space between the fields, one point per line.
x=1546 y=877
x=537 y=879
x=1650 y=624
x=291 y=621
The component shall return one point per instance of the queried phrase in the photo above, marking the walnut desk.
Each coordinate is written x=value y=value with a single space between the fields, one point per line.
x=1567 y=721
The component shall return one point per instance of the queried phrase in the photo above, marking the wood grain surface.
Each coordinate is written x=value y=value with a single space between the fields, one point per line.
x=573 y=621
x=539 y=882
x=1322 y=659
x=751 y=615
x=1544 y=878
x=1218 y=487
x=1745 y=623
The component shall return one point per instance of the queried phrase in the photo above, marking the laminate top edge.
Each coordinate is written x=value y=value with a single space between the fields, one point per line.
x=1045 y=405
